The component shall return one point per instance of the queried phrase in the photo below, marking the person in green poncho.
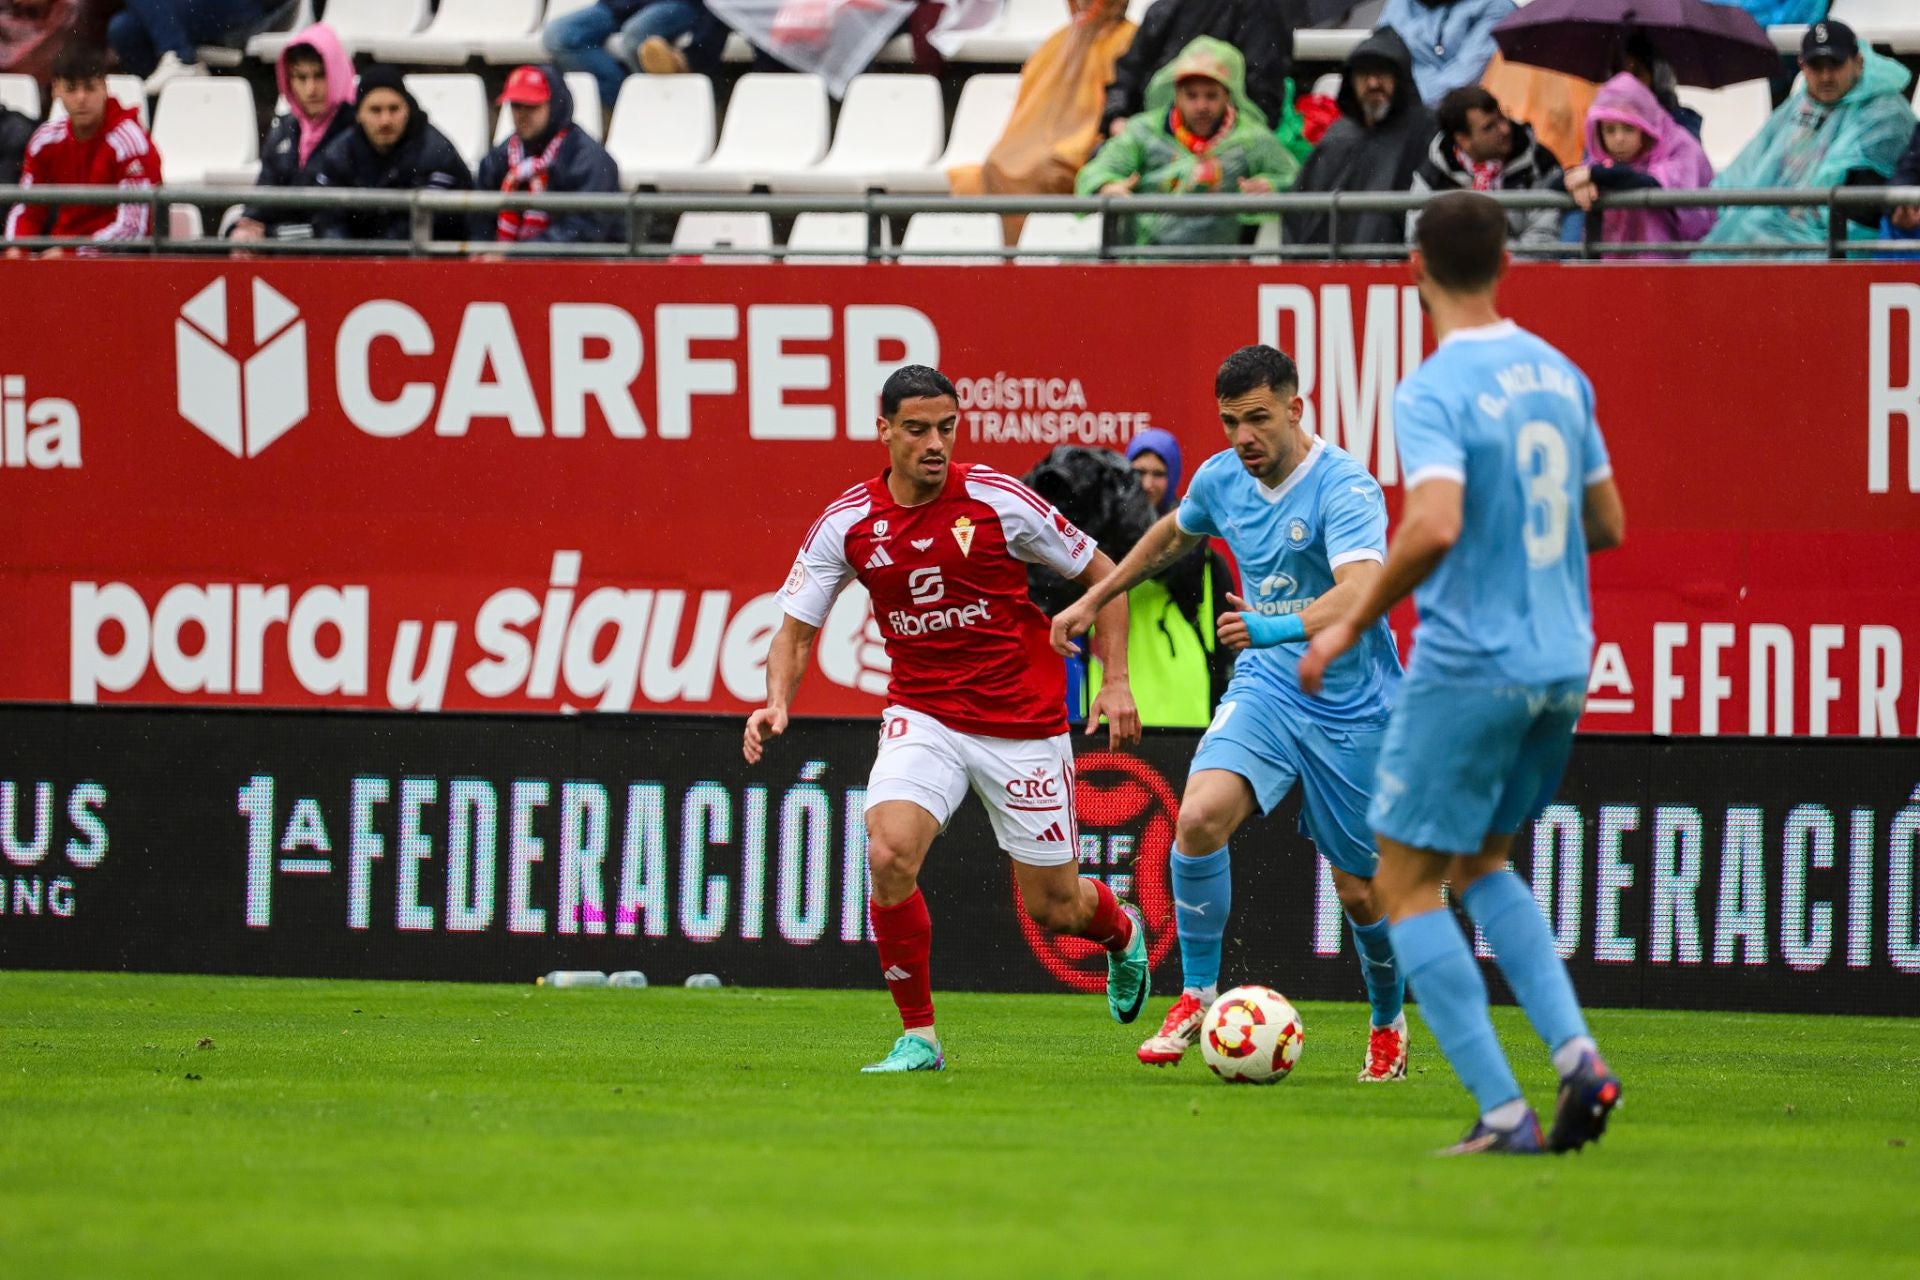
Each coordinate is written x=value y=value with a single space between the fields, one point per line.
x=1199 y=134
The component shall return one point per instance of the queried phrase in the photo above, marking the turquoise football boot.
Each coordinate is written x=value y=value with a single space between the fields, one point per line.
x=909 y=1053
x=1127 y=976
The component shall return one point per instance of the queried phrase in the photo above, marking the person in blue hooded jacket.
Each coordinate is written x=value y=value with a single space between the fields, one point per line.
x=546 y=152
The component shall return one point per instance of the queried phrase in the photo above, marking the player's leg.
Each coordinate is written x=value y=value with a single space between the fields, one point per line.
x=1336 y=778
x=1059 y=899
x=917 y=780
x=1523 y=947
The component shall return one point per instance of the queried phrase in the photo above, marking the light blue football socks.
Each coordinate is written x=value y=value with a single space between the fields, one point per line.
x=1386 y=989
x=1202 y=896
x=1438 y=964
x=1504 y=909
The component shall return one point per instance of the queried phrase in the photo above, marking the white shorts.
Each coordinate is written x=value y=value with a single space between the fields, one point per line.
x=1026 y=783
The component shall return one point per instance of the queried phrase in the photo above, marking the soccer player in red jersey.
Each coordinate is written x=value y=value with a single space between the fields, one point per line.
x=978 y=696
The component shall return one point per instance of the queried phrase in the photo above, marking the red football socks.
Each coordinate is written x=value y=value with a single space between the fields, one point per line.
x=1110 y=926
x=904 y=934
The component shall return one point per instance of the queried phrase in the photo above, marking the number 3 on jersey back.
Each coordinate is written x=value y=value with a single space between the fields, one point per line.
x=1541 y=454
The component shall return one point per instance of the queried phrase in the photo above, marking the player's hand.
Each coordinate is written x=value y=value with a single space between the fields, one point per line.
x=766 y=723
x=1232 y=628
x=1070 y=623
x=1115 y=702
x=1329 y=644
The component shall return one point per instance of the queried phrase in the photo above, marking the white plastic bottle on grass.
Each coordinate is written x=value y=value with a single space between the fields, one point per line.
x=703 y=980
x=573 y=978
x=632 y=978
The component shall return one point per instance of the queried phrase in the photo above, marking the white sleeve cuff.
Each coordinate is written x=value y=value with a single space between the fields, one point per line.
x=1602 y=472
x=1437 y=471
x=1349 y=557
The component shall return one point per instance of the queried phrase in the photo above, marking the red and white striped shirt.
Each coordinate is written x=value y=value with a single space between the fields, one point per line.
x=949 y=585
x=120 y=155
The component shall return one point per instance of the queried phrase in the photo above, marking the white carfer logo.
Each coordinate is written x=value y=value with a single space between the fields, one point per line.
x=241 y=405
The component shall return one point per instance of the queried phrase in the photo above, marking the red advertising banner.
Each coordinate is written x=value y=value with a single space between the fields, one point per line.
x=578 y=486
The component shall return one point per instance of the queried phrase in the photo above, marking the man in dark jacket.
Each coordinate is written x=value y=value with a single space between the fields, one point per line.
x=1375 y=145
x=1258 y=28
x=316 y=78
x=394 y=147
x=15 y=129
x=545 y=153
x=1478 y=149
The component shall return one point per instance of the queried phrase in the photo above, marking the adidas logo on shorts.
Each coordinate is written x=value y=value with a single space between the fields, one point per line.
x=1053 y=834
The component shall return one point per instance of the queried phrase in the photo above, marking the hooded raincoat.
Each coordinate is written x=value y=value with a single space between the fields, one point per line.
x=422 y=158
x=1354 y=156
x=1805 y=145
x=1244 y=147
x=296 y=138
x=578 y=163
x=1451 y=40
x=1674 y=161
x=1258 y=28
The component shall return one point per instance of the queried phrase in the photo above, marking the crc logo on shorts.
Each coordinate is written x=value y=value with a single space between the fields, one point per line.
x=1040 y=785
x=1126 y=812
x=1298 y=534
x=926 y=586
x=241 y=405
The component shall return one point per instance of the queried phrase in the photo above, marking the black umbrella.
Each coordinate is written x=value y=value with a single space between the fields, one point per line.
x=1707 y=44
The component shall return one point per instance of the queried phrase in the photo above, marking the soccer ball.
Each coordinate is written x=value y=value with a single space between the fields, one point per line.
x=1252 y=1035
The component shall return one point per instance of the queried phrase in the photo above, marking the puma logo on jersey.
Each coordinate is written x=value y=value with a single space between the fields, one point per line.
x=879 y=558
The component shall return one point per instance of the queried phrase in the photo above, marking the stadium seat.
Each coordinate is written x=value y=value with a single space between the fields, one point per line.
x=459 y=30
x=1137 y=10
x=22 y=93
x=1729 y=117
x=986 y=101
x=846 y=233
x=128 y=91
x=660 y=124
x=513 y=51
x=1024 y=25
x=205 y=124
x=267 y=45
x=776 y=125
x=456 y=105
x=586 y=108
x=700 y=231
x=360 y=23
x=887 y=123
x=1894 y=23
x=1045 y=236
x=937 y=233
x=184 y=222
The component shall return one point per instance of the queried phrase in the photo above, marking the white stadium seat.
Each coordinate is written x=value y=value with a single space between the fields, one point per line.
x=184 y=222
x=586 y=108
x=986 y=102
x=359 y=23
x=660 y=124
x=1044 y=236
x=888 y=123
x=776 y=125
x=844 y=233
x=696 y=232
x=459 y=30
x=128 y=91
x=456 y=105
x=1024 y=25
x=512 y=51
x=1895 y=23
x=22 y=93
x=267 y=45
x=950 y=235
x=204 y=124
x=1729 y=117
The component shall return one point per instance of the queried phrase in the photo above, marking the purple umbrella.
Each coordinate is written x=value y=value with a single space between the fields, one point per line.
x=1708 y=44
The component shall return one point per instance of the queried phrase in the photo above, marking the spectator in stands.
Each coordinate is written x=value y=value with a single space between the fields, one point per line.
x=1055 y=124
x=1849 y=121
x=1553 y=105
x=546 y=153
x=1451 y=40
x=1257 y=28
x=1199 y=133
x=1379 y=140
x=1478 y=149
x=1176 y=664
x=1633 y=143
x=394 y=147
x=1781 y=13
x=650 y=34
x=161 y=39
x=315 y=76
x=99 y=143
x=1640 y=59
x=16 y=128
x=1903 y=222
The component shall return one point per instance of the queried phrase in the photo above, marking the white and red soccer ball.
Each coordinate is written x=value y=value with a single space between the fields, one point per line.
x=1251 y=1035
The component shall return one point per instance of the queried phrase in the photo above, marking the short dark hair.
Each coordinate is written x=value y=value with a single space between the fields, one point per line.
x=1251 y=368
x=79 y=61
x=1461 y=236
x=912 y=382
x=1454 y=107
x=304 y=53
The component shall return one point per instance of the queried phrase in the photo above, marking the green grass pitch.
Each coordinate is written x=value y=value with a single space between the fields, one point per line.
x=211 y=1127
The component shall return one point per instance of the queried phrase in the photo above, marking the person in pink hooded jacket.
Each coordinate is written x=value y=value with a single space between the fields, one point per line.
x=1632 y=142
x=316 y=80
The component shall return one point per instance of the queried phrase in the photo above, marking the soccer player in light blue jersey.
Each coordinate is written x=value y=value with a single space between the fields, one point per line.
x=1508 y=488
x=1309 y=529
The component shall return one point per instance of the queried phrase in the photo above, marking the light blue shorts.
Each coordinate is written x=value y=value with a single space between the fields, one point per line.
x=1464 y=761
x=1273 y=745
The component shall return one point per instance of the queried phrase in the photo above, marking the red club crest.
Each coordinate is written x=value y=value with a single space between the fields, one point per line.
x=1126 y=812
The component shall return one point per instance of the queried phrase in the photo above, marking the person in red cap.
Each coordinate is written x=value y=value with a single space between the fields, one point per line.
x=392 y=146
x=545 y=152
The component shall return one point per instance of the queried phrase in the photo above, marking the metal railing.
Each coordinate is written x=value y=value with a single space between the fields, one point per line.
x=641 y=213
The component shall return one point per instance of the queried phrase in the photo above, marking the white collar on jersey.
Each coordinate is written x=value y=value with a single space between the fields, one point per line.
x=1483 y=332
x=1299 y=473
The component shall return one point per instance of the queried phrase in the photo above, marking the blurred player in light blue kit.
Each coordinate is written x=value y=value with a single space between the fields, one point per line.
x=1309 y=528
x=1508 y=488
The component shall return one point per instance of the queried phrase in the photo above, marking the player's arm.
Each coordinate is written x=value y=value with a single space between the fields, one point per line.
x=1243 y=628
x=1604 y=516
x=1114 y=699
x=786 y=663
x=1163 y=544
x=1430 y=523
